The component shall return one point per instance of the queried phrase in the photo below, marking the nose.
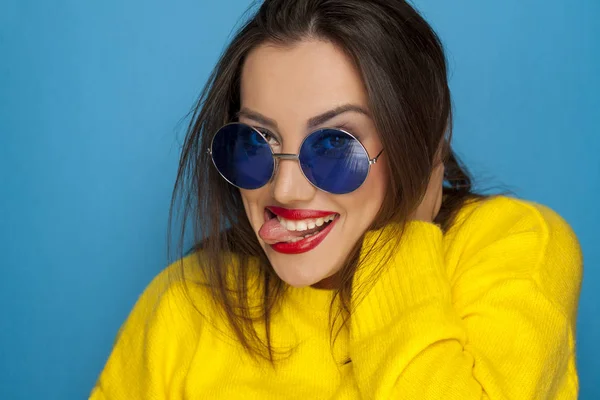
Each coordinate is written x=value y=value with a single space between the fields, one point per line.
x=289 y=185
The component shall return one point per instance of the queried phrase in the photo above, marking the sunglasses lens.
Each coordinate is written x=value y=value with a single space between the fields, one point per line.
x=242 y=156
x=334 y=161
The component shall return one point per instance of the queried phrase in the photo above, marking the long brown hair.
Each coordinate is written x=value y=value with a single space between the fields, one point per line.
x=403 y=66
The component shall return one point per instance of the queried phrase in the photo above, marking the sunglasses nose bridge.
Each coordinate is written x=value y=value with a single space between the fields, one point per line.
x=286 y=156
x=289 y=184
x=283 y=156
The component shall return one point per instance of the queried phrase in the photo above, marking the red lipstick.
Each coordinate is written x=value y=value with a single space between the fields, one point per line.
x=304 y=245
x=298 y=214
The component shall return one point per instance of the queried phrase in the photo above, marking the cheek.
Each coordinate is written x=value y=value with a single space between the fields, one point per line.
x=376 y=185
x=363 y=205
x=250 y=200
x=254 y=204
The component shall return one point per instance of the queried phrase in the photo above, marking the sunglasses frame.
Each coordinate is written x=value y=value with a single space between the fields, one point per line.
x=291 y=156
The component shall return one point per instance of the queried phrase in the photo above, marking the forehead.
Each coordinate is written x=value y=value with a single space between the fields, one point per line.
x=300 y=81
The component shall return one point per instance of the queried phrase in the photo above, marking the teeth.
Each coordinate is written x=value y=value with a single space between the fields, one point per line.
x=290 y=225
x=301 y=226
x=304 y=224
x=297 y=239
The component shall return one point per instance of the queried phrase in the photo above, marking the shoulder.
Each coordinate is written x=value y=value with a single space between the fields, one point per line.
x=522 y=239
x=162 y=327
x=169 y=302
x=501 y=216
x=182 y=291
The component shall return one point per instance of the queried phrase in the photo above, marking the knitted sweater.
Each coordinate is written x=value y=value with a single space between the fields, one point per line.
x=485 y=311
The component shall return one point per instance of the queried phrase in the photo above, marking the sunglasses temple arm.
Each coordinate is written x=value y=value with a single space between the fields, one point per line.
x=374 y=160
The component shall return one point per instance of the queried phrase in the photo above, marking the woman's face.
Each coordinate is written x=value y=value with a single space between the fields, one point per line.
x=283 y=89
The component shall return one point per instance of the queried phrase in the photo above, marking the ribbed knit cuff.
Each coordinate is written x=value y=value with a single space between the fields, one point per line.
x=411 y=278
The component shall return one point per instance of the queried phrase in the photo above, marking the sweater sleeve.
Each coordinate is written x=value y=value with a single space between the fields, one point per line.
x=500 y=325
x=152 y=346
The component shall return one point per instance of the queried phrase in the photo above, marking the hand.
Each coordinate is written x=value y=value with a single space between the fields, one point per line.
x=430 y=206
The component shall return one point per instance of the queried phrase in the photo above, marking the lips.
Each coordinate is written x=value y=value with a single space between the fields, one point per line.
x=304 y=245
x=285 y=241
x=298 y=214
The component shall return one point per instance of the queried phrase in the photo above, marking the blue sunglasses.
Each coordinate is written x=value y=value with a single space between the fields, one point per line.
x=332 y=160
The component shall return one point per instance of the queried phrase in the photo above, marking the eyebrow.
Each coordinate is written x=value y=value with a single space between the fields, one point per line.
x=312 y=122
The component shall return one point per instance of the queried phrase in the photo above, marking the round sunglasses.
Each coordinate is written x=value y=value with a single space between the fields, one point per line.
x=332 y=160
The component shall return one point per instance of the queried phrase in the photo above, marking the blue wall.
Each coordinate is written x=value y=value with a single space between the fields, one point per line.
x=91 y=94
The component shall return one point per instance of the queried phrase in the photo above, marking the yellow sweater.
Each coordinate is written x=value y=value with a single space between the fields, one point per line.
x=486 y=311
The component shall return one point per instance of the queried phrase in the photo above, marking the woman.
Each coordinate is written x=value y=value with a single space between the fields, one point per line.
x=358 y=262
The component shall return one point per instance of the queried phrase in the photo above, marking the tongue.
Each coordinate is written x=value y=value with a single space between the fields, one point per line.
x=272 y=232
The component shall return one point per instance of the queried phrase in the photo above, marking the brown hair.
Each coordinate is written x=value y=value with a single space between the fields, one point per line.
x=403 y=66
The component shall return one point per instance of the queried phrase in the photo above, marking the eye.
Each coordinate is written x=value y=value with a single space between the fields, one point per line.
x=269 y=137
x=346 y=128
x=252 y=143
x=334 y=141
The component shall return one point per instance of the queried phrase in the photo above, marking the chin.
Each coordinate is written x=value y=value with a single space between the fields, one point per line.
x=298 y=275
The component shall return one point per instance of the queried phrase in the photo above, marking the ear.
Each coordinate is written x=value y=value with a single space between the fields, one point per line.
x=441 y=152
x=431 y=203
x=443 y=149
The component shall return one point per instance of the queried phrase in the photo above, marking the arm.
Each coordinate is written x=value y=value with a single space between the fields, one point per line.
x=501 y=328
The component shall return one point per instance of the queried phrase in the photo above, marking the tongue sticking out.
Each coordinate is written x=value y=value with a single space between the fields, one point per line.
x=272 y=232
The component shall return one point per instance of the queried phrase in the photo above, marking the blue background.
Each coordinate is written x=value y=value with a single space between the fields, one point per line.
x=92 y=95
